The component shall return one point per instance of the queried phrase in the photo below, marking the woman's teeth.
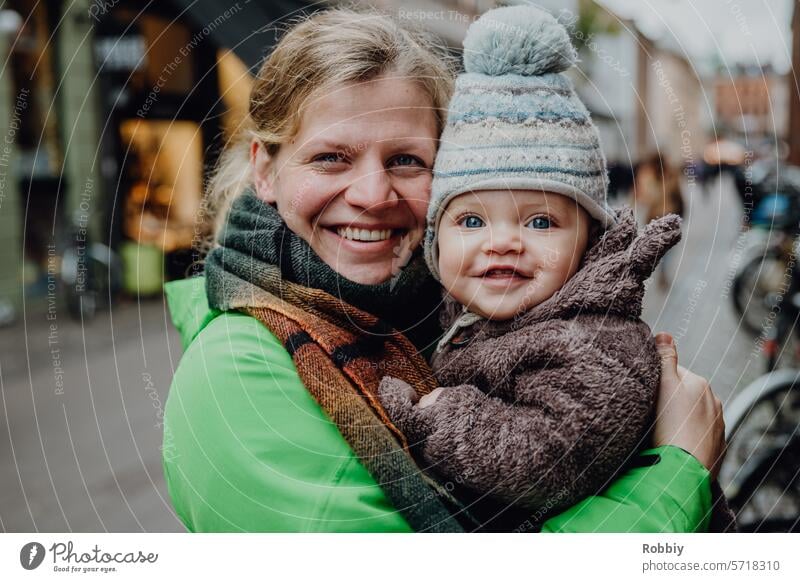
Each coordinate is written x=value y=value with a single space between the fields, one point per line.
x=364 y=235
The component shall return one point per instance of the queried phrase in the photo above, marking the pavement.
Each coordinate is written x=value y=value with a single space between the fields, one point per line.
x=80 y=420
x=81 y=406
x=696 y=307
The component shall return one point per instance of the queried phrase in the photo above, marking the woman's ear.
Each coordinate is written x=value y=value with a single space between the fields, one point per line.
x=263 y=174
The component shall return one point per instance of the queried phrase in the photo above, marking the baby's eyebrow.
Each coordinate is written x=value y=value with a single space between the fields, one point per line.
x=551 y=206
x=459 y=205
x=529 y=207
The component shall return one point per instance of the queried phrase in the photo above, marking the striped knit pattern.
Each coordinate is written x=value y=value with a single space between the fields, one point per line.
x=517 y=131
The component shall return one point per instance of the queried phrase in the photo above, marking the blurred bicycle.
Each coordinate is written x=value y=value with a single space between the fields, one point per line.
x=761 y=470
x=768 y=251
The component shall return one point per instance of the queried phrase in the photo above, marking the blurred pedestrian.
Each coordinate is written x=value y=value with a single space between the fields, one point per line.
x=720 y=156
x=657 y=192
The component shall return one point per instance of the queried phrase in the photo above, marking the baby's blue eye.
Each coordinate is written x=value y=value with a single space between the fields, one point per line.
x=540 y=222
x=472 y=222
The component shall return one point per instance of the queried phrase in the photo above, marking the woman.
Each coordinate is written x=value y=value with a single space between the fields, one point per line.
x=272 y=422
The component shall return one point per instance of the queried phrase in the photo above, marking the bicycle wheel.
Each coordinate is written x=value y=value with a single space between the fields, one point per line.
x=754 y=283
x=761 y=470
x=768 y=498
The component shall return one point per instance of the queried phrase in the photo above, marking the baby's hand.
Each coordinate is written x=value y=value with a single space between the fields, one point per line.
x=400 y=401
x=395 y=394
x=430 y=398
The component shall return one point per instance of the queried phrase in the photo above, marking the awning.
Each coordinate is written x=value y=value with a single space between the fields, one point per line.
x=248 y=27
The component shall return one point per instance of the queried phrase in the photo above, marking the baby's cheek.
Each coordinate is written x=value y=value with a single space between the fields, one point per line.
x=450 y=279
x=540 y=289
x=458 y=287
x=451 y=257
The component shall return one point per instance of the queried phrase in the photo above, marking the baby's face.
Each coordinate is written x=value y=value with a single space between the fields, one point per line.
x=503 y=252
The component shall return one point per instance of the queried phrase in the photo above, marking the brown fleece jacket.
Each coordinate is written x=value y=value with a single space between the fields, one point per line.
x=542 y=410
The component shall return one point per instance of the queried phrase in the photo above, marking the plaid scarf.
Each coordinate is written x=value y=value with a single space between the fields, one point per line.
x=340 y=350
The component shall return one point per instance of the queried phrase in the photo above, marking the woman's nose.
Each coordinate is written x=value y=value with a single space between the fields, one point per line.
x=504 y=239
x=371 y=188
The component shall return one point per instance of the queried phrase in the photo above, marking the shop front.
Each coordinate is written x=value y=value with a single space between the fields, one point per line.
x=116 y=112
x=175 y=81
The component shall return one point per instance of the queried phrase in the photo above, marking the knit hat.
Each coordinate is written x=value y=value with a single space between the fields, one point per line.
x=515 y=123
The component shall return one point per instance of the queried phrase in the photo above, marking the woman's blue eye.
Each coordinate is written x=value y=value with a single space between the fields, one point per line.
x=540 y=222
x=329 y=158
x=405 y=160
x=472 y=222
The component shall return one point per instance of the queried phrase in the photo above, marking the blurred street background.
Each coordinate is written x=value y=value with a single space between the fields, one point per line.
x=114 y=112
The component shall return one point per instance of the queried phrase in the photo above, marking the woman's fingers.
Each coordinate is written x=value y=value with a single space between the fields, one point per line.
x=689 y=415
x=668 y=353
x=682 y=371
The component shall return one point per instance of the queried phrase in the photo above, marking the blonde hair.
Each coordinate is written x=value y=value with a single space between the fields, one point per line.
x=329 y=48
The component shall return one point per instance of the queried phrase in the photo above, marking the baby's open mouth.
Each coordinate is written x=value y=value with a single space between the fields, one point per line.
x=503 y=274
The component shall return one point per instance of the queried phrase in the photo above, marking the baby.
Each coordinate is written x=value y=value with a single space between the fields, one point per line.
x=548 y=374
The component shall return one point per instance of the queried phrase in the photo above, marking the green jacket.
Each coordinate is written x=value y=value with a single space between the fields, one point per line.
x=247 y=448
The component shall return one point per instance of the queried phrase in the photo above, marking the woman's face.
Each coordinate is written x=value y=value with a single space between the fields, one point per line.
x=355 y=180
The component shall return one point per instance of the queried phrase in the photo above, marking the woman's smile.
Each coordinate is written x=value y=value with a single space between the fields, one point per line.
x=361 y=241
x=364 y=234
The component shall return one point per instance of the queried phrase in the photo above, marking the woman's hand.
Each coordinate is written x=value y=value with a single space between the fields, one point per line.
x=688 y=415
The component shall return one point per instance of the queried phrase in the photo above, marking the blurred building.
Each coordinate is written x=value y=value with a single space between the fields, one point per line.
x=793 y=137
x=752 y=102
x=113 y=112
x=677 y=114
x=606 y=80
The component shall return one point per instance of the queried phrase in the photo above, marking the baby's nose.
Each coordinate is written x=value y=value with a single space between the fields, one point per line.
x=505 y=240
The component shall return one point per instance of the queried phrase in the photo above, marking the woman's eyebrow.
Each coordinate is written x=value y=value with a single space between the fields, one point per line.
x=409 y=142
x=332 y=146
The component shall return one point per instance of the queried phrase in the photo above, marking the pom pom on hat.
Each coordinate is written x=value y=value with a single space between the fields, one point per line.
x=520 y=40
